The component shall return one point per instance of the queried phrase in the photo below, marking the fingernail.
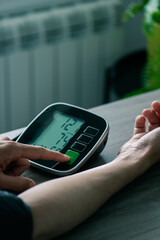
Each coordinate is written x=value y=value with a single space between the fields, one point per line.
x=32 y=184
x=67 y=157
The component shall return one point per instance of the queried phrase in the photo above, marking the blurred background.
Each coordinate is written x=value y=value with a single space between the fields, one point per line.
x=74 y=51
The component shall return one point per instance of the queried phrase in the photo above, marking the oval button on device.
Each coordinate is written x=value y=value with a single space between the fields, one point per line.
x=78 y=147
x=91 y=131
x=73 y=156
x=84 y=139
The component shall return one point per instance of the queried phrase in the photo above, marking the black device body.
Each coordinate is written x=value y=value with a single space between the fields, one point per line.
x=68 y=129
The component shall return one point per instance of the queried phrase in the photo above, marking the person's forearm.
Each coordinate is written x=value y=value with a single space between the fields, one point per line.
x=59 y=205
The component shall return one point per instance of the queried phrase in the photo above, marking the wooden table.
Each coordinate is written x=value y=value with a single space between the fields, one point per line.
x=134 y=212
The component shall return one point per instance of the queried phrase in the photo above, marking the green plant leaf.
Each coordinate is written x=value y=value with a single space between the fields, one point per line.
x=134 y=9
x=156 y=16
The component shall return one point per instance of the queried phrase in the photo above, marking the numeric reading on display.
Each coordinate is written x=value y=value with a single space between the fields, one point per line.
x=59 y=132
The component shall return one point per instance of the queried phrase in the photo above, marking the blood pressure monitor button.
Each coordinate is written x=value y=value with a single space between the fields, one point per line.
x=84 y=139
x=91 y=131
x=79 y=147
x=73 y=156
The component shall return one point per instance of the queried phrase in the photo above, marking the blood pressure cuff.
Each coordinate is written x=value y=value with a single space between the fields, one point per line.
x=15 y=218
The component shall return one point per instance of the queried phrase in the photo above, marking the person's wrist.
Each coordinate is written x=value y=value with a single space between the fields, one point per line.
x=125 y=168
x=136 y=161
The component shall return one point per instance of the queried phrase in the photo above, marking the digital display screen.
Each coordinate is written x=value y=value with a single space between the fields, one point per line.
x=58 y=132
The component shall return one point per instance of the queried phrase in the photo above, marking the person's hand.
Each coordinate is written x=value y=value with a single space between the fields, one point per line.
x=153 y=115
x=145 y=141
x=14 y=161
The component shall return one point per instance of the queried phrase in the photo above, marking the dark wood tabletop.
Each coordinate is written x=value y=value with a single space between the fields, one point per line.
x=134 y=212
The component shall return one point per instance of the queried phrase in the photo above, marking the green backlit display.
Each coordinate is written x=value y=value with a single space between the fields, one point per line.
x=58 y=133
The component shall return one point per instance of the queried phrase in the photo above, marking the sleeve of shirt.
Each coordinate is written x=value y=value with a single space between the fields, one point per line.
x=15 y=218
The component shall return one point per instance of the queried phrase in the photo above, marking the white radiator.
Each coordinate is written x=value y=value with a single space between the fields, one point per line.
x=56 y=55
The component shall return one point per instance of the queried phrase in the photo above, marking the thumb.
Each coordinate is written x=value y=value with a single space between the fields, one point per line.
x=15 y=183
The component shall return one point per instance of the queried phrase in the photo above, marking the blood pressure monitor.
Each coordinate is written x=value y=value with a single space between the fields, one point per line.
x=70 y=130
